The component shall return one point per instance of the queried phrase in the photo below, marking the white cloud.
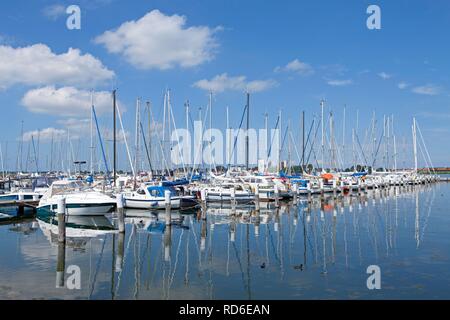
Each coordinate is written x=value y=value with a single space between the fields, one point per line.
x=339 y=83
x=157 y=41
x=81 y=128
x=44 y=135
x=296 y=66
x=402 y=85
x=429 y=89
x=223 y=82
x=38 y=65
x=54 y=11
x=66 y=101
x=385 y=76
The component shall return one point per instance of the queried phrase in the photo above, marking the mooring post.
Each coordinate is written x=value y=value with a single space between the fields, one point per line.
x=203 y=236
x=120 y=251
x=120 y=213
x=167 y=242
x=61 y=265
x=167 y=199
x=61 y=212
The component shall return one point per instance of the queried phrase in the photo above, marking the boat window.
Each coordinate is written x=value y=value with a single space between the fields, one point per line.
x=140 y=191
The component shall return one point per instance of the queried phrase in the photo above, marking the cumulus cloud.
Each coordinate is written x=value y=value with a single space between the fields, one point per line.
x=385 y=76
x=339 y=83
x=223 y=82
x=81 y=128
x=158 y=41
x=54 y=11
x=65 y=101
x=38 y=65
x=429 y=89
x=296 y=66
x=44 y=135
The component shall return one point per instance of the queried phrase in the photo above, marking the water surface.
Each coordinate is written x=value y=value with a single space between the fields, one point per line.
x=316 y=251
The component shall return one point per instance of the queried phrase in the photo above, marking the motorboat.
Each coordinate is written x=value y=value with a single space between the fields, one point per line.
x=80 y=199
x=149 y=196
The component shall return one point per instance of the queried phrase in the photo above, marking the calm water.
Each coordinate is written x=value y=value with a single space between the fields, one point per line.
x=319 y=251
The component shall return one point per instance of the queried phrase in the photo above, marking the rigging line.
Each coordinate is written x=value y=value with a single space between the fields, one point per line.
x=313 y=142
x=273 y=138
x=97 y=269
x=178 y=140
x=200 y=146
x=362 y=151
x=125 y=139
x=426 y=149
x=376 y=153
x=235 y=138
x=307 y=140
x=176 y=260
x=119 y=277
x=146 y=147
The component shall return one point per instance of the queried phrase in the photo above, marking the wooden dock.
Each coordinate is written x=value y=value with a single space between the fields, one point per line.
x=20 y=203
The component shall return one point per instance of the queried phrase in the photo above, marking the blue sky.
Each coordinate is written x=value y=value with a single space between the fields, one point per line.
x=293 y=52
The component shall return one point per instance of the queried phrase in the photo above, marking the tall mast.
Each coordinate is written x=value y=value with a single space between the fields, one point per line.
x=246 y=134
x=303 y=141
x=280 y=141
x=137 y=136
x=149 y=147
x=266 y=126
x=414 y=133
x=51 y=153
x=210 y=131
x=92 y=135
x=114 y=139
x=323 y=135
x=343 y=139
x=228 y=139
x=21 y=147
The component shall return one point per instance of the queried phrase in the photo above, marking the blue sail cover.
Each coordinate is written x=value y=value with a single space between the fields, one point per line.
x=359 y=174
x=178 y=182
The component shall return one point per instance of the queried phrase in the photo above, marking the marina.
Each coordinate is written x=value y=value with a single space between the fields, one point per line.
x=224 y=151
x=308 y=250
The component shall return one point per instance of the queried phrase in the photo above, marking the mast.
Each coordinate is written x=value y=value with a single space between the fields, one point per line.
x=114 y=139
x=92 y=135
x=51 y=153
x=246 y=134
x=414 y=133
x=280 y=141
x=210 y=131
x=137 y=137
x=303 y=141
x=21 y=147
x=228 y=132
x=149 y=145
x=266 y=126
x=323 y=135
x=343 y=139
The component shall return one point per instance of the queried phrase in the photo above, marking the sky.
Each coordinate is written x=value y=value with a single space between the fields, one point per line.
x=288 y=54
